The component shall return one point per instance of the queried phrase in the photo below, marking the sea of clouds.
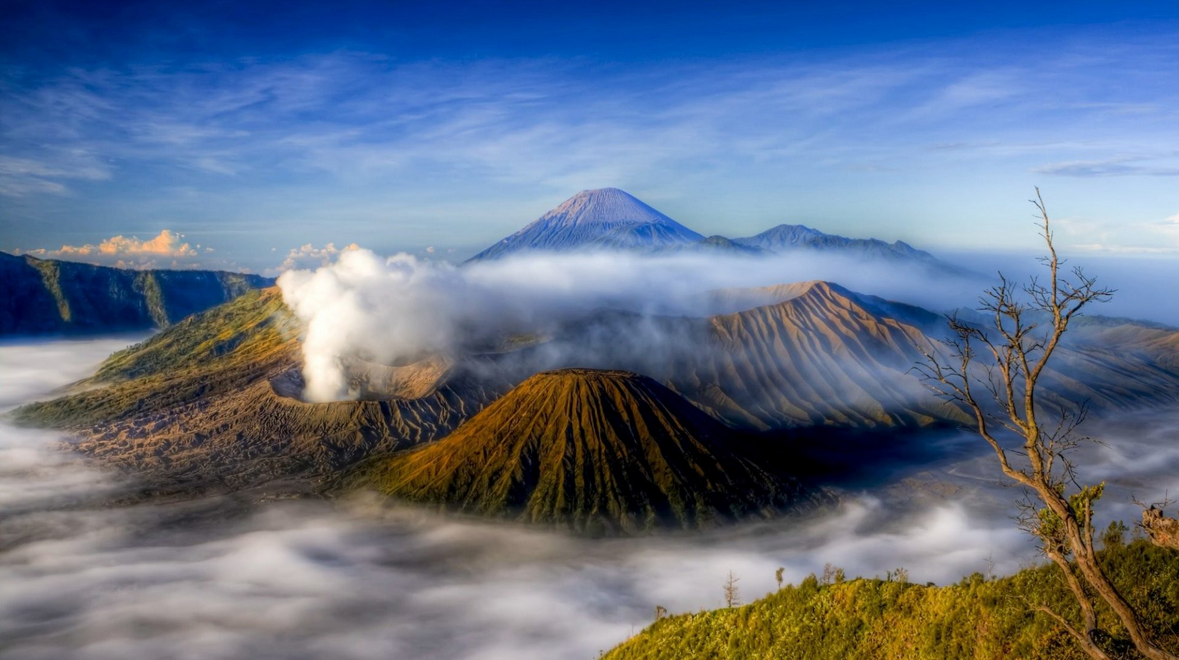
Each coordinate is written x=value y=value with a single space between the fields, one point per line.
x=233 y=578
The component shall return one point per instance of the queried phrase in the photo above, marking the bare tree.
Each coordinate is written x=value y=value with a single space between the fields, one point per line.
x=660 y=612
x=1005 y=361
x=732 y=592
x=778 y=576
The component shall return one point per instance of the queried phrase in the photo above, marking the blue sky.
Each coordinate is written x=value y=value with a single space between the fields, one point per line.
x=250 y=129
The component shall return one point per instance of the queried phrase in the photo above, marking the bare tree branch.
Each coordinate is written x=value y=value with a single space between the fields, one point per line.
x=1028 y=325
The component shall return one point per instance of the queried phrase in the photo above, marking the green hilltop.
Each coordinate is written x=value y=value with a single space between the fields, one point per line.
x=978 y=618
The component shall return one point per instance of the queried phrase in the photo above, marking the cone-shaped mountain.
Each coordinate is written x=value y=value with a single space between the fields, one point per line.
x=603 y=218
x=591 y=450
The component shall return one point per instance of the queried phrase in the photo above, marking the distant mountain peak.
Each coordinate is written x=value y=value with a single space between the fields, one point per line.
x=603 y=206
x=595 y=219
x=800 y=237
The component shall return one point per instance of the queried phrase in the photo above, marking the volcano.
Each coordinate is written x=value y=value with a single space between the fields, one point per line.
x=606 y=218
x=595 y=451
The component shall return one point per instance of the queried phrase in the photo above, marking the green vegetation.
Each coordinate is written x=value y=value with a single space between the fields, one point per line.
x=217 y=351
x=873 y=619
x=252 y=326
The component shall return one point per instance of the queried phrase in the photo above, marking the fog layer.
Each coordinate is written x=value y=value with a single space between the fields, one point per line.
x=235 y=578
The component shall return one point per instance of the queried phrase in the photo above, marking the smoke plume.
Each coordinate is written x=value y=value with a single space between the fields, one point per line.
x=399 y=309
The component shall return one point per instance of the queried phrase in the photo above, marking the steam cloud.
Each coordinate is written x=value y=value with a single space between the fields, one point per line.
x=398 y=309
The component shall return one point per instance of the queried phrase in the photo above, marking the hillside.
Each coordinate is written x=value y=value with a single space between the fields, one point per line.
x=600 y=451
x=43 y=297
x=212 y=403
x=872 y=619
x=821 y=356
x=607 y=218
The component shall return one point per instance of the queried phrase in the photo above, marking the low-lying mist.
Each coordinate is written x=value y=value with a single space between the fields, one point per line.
x=233 y=577
x=398 y=309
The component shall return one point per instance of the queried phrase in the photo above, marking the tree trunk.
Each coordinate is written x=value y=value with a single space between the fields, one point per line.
x=1091 y=571
x=1142 y=641
x=1074 y=584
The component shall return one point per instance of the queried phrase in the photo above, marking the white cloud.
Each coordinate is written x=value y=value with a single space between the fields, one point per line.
x=309 y=256
x=167 y=249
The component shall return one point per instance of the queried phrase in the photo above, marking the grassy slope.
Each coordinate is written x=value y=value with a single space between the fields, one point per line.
x=249 y=336
x=975 y=618
x=194 y=405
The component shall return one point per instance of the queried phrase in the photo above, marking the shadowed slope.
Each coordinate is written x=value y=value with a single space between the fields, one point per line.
x=592 y=450
x=43 y=296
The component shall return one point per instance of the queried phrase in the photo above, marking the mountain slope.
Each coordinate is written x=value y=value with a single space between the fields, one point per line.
x=821 y=357
x=213 y=402
x=603 y=218
x=816 y=354
x=807 y=354
x=64 y=297
x=592 y=450
x=870 y=619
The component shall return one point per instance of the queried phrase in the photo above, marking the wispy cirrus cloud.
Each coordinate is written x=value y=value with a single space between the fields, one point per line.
x=49 y=173
x=346 y=142
x=1125 y=166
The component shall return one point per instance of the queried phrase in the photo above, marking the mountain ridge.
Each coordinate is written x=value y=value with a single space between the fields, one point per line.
x=46 y=296
x=612 y=219
x=785 y=237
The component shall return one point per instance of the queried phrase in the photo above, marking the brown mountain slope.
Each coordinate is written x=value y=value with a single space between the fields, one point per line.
x=213 y=402
x=820 y=357
x=815 y=354
x=591 y=450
